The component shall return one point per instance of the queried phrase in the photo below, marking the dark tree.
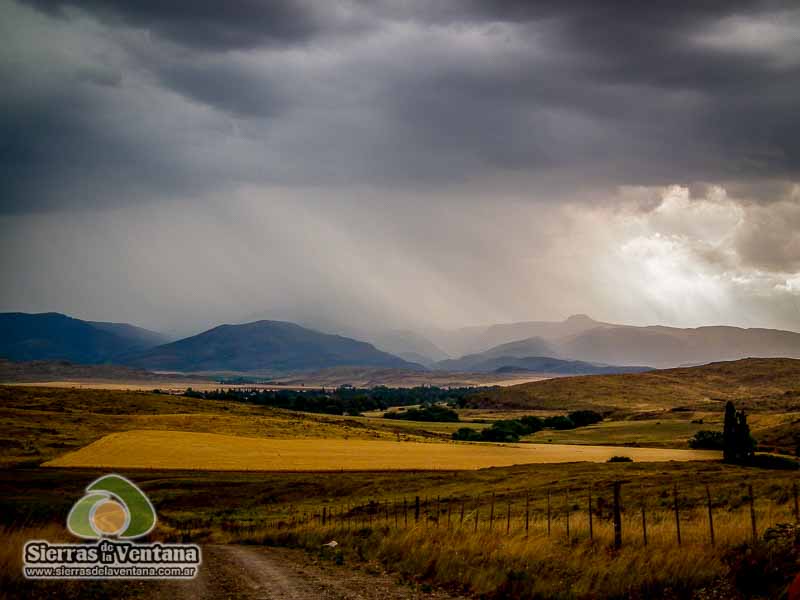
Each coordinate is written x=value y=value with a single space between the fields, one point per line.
x=738 y=444
x=729 y=433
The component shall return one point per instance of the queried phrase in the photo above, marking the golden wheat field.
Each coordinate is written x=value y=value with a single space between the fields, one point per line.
x=208 y=451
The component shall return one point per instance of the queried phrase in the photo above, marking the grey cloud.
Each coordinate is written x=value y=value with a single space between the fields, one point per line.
x=362 y=93
x=456 y=160
x=204 y=24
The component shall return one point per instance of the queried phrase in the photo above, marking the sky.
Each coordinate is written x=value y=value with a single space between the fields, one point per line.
x=401 y=164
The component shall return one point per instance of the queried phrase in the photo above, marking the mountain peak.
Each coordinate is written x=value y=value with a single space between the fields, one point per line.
x=579 y=318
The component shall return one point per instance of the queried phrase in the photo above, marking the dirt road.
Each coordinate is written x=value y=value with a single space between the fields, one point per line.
x=283 y=574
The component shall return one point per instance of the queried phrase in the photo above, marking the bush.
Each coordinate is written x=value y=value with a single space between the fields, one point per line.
x=773 y=461
x=582 y=418
x=616 y=459
x=767 y=567
x=707 y=440
x=465 y=434
x=430 y=414
x=559 y=422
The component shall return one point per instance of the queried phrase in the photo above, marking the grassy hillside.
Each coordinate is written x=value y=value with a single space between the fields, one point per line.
x=755 y=384
x=38 y=424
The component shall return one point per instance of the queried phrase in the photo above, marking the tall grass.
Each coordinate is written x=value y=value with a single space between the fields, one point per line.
x=492 y=563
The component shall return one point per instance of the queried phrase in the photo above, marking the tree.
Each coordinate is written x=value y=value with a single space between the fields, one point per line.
x=738 y=444
x=729 y=433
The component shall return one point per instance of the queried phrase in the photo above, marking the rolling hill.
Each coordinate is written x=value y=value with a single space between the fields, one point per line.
x=264 y=346
x=580 y=338
x=53 y=336
x=666 y=347
x=545 y=365
x=473 y=340
x=483 y=361
x=753 y=383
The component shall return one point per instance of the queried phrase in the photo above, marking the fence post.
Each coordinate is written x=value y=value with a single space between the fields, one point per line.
x=324 y=515
x=461 y=522
x=405 y=512
x=677 y=512
x=491 y=514
x=752 y=512
x=710 y=516
x=591 y=525
x=644 y=521
x=438 y=509
x=617 y=517
x=566 y=501
x=449 y=508
x=527 y=512
x=416 y=509
x=548 y=513
x=508 y=518
x=394 y=506
x=796 y=506
x=477 y=510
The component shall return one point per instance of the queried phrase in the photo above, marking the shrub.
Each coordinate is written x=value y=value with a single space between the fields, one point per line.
x=430 y=414
x=465 y=434
x=773 y=461
x=559 y=422
x=616 y=459
x=582 y=418
x=707 y=440
x=767 y=567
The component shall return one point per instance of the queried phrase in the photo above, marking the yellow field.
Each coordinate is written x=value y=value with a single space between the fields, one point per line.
x=208 y=451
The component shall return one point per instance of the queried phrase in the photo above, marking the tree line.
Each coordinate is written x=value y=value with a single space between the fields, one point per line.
x=345 y=400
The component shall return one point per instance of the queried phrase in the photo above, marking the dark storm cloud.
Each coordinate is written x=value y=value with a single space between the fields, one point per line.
x=341 y=93
x=203 y=24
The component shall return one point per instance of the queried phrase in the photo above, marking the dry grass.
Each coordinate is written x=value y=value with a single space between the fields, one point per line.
x=182 y=450
x=39 y=424
x=495 y=564
x=753 y=383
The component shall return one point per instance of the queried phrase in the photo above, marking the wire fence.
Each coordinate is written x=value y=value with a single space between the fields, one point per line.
x=612 y=513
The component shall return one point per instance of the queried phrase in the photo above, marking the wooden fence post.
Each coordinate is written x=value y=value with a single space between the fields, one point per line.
x=324 y=514
x=677 y=512
x=491 y=514
x=405 y=512
x=527 y=512
x=416 y=509
x=548 y=513
x=591 y=524
x=477 y=510
x=644 y=521
x=796 y=506
x=508 y=518
x=461 y=522
x=710 y=516
x=752 y=512
x=449 y=507
x=566 y=501
x=617 y=517
x=394 y=506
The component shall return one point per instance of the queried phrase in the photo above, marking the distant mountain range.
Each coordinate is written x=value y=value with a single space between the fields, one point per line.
x=577 y=345
x=534 y=364
x=584 y=339
x=53 y=336
x=264 y=346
